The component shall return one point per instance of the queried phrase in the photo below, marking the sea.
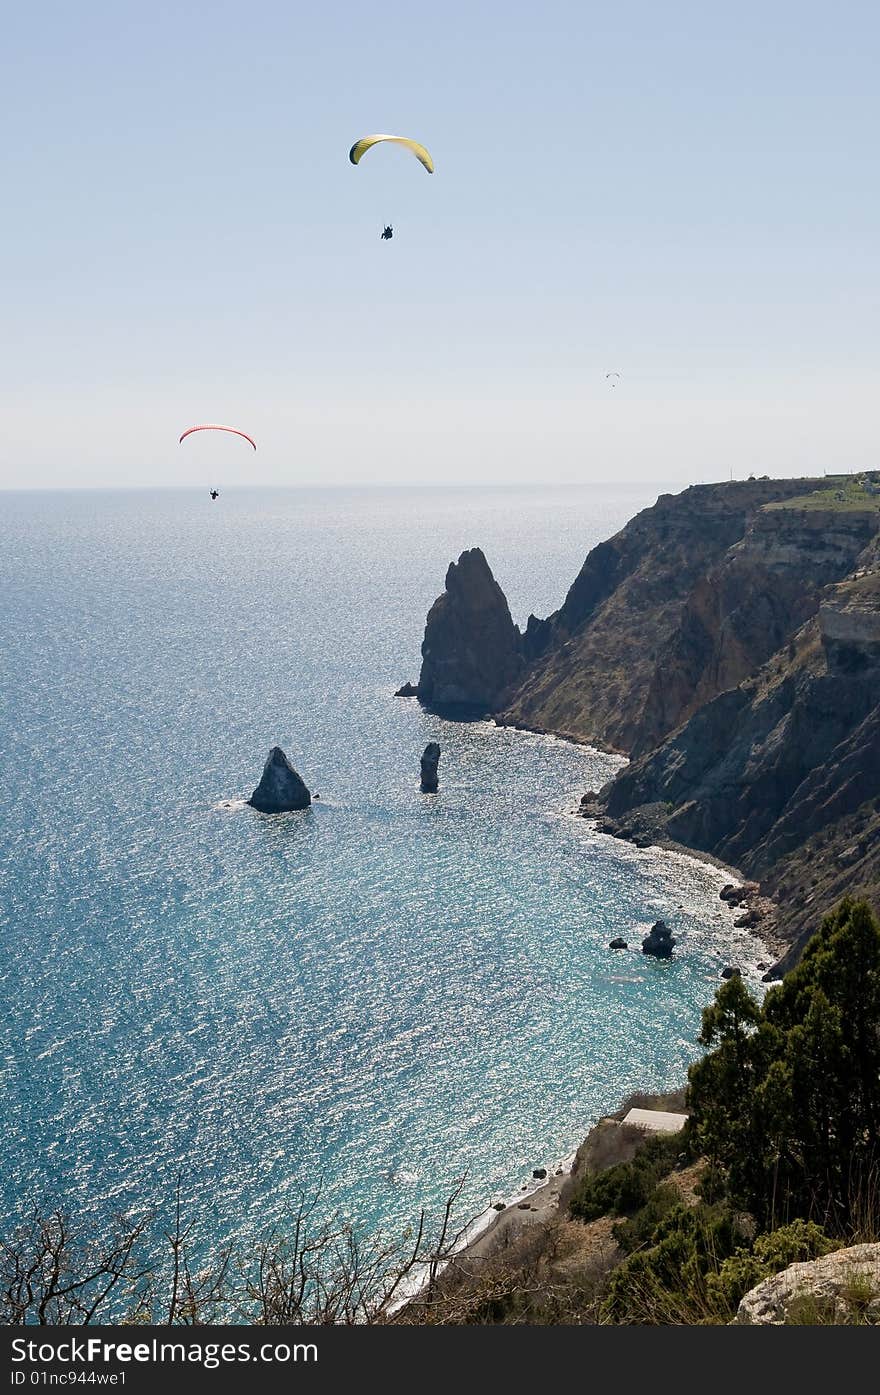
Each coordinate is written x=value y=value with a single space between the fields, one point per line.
x=365 y=1002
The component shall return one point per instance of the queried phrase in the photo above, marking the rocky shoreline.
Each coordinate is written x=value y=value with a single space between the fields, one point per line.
x=757 y=911
x=608 y=1141
x=544 y=1200
x=727 y=642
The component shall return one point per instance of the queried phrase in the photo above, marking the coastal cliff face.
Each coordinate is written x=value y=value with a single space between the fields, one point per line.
x=656 y=621
x=728 y=641
x=780 y=777
x=472 y=651
x=747 y=606
x=757 y=738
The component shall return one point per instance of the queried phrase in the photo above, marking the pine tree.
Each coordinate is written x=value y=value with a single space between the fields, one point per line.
x=788 y=1101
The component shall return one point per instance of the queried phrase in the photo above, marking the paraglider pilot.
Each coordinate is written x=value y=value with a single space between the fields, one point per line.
x=387 y=233
x=215 y=493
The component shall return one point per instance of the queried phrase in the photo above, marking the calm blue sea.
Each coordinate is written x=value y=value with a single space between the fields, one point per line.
x=382 y=993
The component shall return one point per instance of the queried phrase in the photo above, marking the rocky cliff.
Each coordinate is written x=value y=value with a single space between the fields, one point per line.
x=472 y=651
x=686 y=601
x=728 y=641
x=780 y=774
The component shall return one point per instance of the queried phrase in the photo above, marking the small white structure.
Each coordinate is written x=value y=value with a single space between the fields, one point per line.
x=655 y=1120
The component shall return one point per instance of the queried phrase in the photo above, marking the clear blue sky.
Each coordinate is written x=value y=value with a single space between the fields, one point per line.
x=685 y=193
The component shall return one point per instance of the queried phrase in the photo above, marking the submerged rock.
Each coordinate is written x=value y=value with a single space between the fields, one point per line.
x=539 y=1173
x=280 y=789
x=617 y=944
x=472 y=651
x=659 y=941
x=731 y=971
x=430 y=762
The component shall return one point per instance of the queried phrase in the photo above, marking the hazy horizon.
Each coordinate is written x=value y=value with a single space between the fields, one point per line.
x=679 y=196
x=633 y=484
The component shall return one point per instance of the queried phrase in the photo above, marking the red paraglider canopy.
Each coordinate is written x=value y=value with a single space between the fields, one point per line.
x=212 y=427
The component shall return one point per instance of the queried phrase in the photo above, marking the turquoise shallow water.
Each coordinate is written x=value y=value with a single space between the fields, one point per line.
x=383 y=993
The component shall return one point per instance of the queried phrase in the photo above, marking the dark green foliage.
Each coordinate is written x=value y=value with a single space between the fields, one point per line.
x=712 y=1185
x=787 y=1103
x=786 y=1108
x=790 y=1244
x=669 y=1282
x=626 y=1187
x=635 y=1231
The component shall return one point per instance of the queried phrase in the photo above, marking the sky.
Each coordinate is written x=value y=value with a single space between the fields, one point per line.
x=685 y=194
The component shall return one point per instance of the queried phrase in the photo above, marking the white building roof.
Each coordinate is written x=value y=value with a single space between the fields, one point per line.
x=655 y=1120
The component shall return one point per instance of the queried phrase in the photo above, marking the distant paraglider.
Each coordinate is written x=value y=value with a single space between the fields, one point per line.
x=214 y=493
x=232 y=429
x=615 y=377
x=360 y=148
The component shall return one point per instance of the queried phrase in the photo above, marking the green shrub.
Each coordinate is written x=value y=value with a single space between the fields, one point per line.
x=626 y=1187
x=793 y=1243
x=712 y=1186
x=636 y=1231
x=668 y=1283
x=787 y=1100
x=771 y=1252
x=738 y=1273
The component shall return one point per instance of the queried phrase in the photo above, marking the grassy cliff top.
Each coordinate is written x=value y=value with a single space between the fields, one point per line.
x=840 y=494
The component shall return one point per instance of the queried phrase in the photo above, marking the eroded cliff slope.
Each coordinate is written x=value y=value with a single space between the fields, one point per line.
x=780 y=775
x=685 y=601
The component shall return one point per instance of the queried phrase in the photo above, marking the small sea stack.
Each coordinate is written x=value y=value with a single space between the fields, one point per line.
x=408 y=690
x=430 y=762
x=659 y=941
x=280 y=789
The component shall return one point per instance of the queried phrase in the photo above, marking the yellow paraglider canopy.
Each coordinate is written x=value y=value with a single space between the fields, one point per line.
x=361 y=147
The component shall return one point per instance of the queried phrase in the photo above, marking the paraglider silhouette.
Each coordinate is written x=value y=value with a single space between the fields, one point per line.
x=233 y=429
x=361 y=147
x=214 y=493
x=612 y=375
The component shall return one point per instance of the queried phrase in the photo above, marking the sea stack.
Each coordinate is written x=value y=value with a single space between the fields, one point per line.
x=472 y=651
x=280 y=789
x=659 y=941
x=430 y=762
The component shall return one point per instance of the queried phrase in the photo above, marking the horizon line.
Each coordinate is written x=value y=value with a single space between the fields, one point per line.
x=618 y=483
